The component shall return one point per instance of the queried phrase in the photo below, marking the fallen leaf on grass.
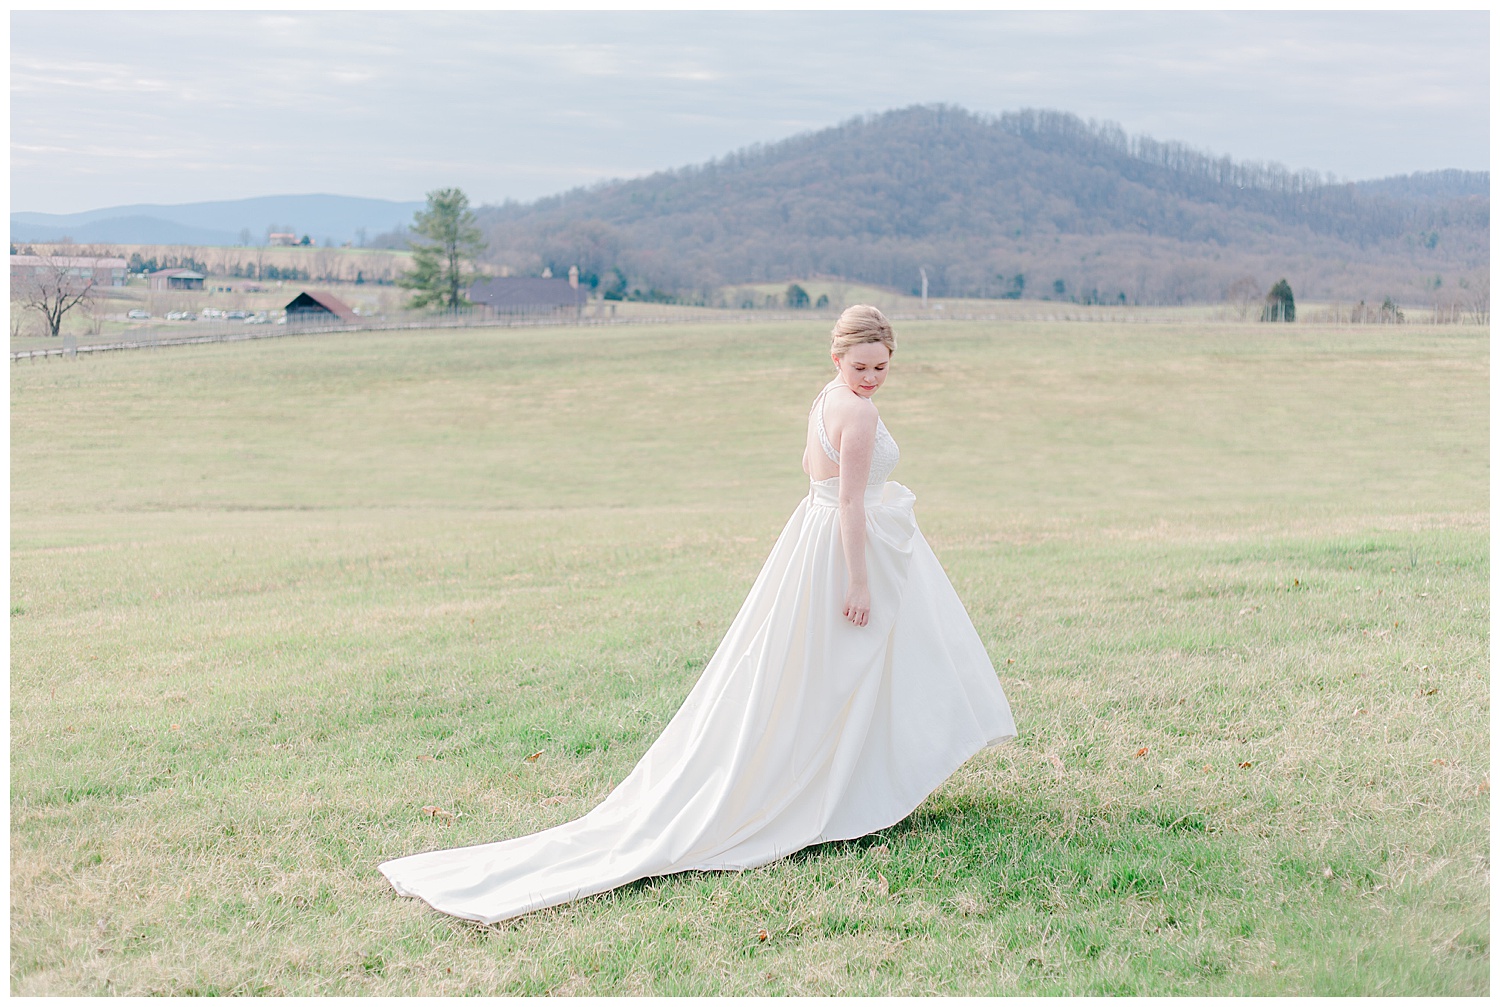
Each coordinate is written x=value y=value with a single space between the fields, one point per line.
x=883 y=887
x=761 y=935
x=433 y=811
x=1246 y=765
x=533 y=756
x=1439 y=762
x=1484 y=786
x=1429 y=692
x=1057 y=764
x=1361 y=712
x=425 y=758
x=1141 y=752
x=548 y=802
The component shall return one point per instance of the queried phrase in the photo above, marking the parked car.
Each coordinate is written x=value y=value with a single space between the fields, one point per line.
x=138 y=313
x=238 y=315
x=258 y=319
x=181 y=316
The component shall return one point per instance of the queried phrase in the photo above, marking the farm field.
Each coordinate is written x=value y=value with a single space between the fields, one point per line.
x=271 y=600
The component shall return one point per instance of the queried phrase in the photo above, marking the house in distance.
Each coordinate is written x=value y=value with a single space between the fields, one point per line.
x=310 y=308
x=79 y=269
x=176 y=279
x=528 y=295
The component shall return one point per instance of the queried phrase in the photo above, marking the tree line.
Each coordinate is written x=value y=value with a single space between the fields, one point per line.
x=976 y=200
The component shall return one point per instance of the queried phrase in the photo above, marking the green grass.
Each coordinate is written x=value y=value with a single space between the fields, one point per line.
x=270 y=600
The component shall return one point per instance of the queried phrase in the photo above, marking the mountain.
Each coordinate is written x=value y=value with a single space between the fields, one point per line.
x=1021 y=203
x=125 y=230
x=321 y=217
x=1430 y=185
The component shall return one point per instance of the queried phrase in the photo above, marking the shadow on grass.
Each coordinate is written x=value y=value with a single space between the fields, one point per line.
x=1015 y=851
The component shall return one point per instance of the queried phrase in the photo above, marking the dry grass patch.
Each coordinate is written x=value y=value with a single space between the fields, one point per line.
x=271 y=602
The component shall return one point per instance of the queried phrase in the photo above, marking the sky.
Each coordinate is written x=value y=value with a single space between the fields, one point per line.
x=112 y=108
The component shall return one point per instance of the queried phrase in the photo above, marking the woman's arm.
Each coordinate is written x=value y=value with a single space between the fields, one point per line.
x=857 y=445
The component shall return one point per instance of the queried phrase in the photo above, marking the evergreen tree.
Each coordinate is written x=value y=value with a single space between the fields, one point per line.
x=1280 y=307
x=437 y=276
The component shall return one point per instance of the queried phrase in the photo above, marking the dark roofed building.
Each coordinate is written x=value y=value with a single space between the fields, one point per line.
x=176 y=279
x=523 y=294
x=311 y=308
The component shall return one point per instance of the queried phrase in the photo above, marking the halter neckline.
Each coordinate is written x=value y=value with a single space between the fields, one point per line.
x=884 y=444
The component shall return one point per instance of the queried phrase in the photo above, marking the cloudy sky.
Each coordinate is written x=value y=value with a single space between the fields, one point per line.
x=172 y=107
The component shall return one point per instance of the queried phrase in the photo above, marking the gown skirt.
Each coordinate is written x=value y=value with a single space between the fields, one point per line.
x=803 y=728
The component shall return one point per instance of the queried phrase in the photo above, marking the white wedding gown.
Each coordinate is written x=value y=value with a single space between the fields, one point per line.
x=802 y=729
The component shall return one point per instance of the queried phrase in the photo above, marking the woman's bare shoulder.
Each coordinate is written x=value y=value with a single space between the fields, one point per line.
x=851 y=408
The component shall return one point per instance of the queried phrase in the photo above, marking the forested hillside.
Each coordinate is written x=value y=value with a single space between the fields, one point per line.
x=1029 y=203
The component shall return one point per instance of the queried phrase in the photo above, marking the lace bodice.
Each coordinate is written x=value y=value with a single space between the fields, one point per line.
x=885 y=455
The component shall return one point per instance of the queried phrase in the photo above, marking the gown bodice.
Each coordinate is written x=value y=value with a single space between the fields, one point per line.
x=883 y=458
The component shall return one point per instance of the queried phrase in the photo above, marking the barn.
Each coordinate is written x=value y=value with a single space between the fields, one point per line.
x=176 y=279
x=311 y=308
x=85 y=269
x=515 y=295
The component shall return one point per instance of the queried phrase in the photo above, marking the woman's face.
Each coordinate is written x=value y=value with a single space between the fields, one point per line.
x=863 y=367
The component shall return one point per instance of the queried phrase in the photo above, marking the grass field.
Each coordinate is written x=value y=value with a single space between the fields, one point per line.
x=269 y=601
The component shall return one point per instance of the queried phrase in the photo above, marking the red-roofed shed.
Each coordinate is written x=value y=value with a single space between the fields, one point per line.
x=310 y=307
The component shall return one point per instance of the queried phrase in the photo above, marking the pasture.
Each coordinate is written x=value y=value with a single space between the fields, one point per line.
x=269 y=601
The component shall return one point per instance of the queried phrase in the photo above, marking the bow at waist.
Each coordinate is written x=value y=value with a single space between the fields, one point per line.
x=825 y=493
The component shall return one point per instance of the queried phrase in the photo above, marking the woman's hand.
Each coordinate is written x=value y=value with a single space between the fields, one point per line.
x=857 y=604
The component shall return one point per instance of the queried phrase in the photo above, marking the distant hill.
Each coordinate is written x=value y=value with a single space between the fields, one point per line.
x=1430 y=185
x=320 y=217
x=1027 y=203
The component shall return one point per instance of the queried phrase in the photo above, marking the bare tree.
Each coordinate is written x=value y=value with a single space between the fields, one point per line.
x=17 y=314
x=54 y=286
x=1243 y=296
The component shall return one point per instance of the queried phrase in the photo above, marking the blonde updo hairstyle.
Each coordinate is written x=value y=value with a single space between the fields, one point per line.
x=861 y=323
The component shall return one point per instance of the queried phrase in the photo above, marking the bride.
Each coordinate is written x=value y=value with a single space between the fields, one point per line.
x=849 y=686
